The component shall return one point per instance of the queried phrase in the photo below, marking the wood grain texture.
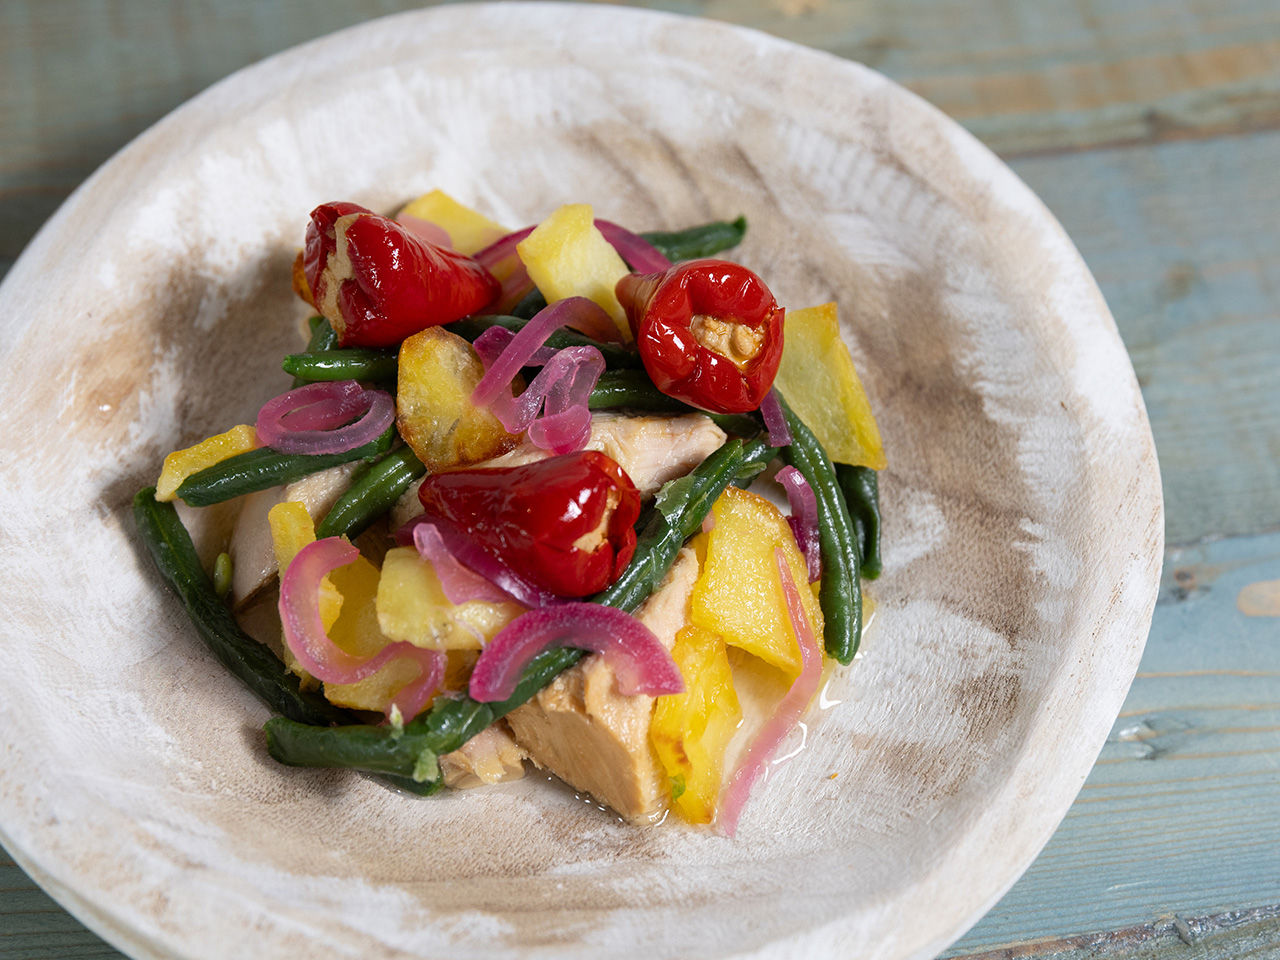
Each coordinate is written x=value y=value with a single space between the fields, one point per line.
x=1238 y=935
x=1182 y=239
x=81 y=78
x=1179 y=816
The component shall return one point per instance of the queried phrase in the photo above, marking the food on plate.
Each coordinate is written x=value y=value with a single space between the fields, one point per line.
x=501 y=514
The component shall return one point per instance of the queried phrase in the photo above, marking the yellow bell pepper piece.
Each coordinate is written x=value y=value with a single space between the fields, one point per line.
x=412 y=607
x=818 y=379
x=690 y=731
x=566 y=256
x=469 y=232
x=739 y=594
x=183 y=463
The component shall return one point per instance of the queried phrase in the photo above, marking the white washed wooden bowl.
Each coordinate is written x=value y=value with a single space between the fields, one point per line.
x=1023 y=518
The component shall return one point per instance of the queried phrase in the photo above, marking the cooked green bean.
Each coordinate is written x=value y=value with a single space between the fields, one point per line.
x=262 y=468
x=701 y=241
x=222 y=572
x=257 y=667
x=451 y=722
x=373 y=494
x=861 y=489
x=351 y=364
x=530 y=304
x=841 y=593
x=615 y=355
x=253 y=664
x=323 y=337
x=633 y=390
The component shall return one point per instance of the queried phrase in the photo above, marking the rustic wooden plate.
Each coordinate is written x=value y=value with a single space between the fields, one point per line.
x=1022 y=503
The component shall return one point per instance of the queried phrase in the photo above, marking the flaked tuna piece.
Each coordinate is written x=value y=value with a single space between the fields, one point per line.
x=253 y=557
x=491 y=756
x=651 y=449
x=594 y=738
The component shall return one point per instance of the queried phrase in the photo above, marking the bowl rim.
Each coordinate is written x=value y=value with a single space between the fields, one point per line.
x=246 y=84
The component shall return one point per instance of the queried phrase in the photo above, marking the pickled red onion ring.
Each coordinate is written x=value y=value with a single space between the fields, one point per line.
x=804 y=517
x=641 y=664
x=522 y=347
x=641 y=255
x=318 y=418
x=774 y=420
x=306 y=637
x=460 y=584
x=789 y=710
x=475 y=558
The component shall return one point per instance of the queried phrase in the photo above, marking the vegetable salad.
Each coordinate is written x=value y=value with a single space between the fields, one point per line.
x=501 y=514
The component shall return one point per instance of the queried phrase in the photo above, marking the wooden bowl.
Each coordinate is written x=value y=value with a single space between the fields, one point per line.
x=1023 y=518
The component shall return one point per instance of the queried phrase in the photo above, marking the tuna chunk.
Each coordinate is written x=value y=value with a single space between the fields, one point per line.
x=651 y=449
x=253 y=556
x=491 y=756
x=592 y=737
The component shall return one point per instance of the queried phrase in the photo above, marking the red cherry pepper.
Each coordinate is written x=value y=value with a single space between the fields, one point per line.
x=565 y=523
x=377 y=283
x=709 y=333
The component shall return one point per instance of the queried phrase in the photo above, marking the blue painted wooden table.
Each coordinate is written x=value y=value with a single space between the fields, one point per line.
x=1152 y=129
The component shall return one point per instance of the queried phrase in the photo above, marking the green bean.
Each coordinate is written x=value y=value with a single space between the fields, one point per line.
x=322 y=337
x=413 y=751
x=372 y=495
x=841 y=593
x=263 y=467
x=633 y=390
x=529 y=305
x=861 y=489
x=222 y=572
x=253 y=664
x=701 y=241
x=615 y=355
x=353 y=364
x=257 y=667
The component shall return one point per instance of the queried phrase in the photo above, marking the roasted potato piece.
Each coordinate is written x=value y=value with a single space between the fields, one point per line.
x=438 y=372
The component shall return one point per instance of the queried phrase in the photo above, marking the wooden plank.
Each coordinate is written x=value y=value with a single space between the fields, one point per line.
x=1050 y=76
x=78 y=80
x=1182 y=239
x=1232 y=936
x=1181 y=814
x=32 y=925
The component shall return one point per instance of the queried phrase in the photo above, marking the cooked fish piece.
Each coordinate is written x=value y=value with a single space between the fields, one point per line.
x=491 y=756
x=651 y=449
x=253 y=557
x=594 y=738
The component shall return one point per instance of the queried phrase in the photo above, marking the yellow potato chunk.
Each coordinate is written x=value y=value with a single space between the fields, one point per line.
x=469 y=231
x=690 y=731
x=739 y=594
x=412 y=607
x=818 y=379
x=183 y=463
x=566 y=256
x=438 y=371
